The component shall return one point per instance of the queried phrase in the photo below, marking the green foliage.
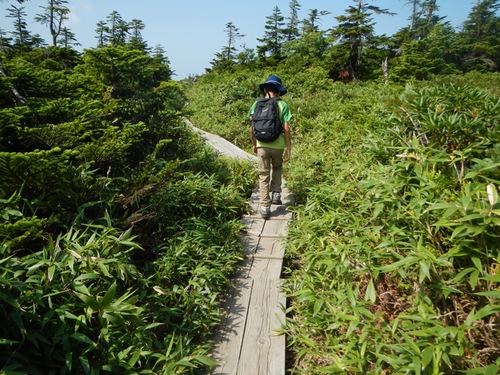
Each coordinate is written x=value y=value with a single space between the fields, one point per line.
x=392 y=256
x=480 y=44
x=399 y=257
x=81 y=305
x=422 y=59
x=118 y=226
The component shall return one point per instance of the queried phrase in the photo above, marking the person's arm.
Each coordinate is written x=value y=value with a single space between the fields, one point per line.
x=254 y=141
x=288 y=139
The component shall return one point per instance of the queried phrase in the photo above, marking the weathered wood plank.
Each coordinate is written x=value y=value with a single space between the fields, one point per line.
x=263 y=350
x=266 y=268
x=222 y=145
x=281 y=212
x=229 y=338
x=244 y=267
x=274 y=228
x=287 y=197
x=253 y=225
x=250 y=243
x=269 y=247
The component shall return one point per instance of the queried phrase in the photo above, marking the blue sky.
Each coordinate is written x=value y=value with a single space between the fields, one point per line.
x=191 y=31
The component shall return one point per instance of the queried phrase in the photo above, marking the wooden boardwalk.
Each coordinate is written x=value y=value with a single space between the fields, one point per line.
x=248 y=341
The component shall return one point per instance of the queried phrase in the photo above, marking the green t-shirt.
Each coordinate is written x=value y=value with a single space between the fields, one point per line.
x=285 y=116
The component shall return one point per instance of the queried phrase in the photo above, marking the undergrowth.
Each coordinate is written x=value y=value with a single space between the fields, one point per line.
x=392 y=258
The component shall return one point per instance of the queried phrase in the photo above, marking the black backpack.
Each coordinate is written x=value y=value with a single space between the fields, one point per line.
x=266 y=123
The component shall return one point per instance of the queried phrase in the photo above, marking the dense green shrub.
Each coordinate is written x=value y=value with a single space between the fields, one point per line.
x=118 y=226
x=392 y=256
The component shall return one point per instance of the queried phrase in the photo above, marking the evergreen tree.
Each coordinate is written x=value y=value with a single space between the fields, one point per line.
x=480 y=36
x=311 y=23
x=37 y=41
x=5 y=42
x=292 y=26
x=422 y=20
x=159 y=53
x=306 y=51
x=160 y=57
x=246 y=57
x=415 y=6
x=226 y=58
x=427 y=19
x=136 y=26
x=233 y=34
x=425 y=58
x=102 y=33
x=117 y=30
x=429 y=7
x=355 y=33
x=136 y=40
x=274 y=36
x=55 y=13
x=67 y=38
x=21 y=34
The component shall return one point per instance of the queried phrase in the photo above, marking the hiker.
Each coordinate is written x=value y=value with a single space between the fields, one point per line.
x=271 y=154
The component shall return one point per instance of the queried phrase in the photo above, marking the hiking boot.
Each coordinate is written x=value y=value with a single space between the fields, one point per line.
x=265 y=212
x=276 y=198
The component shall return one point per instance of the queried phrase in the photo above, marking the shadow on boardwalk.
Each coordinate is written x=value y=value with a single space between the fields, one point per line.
x=248 y=341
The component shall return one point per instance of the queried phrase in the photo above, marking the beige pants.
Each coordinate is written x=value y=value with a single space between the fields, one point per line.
x=270 y=165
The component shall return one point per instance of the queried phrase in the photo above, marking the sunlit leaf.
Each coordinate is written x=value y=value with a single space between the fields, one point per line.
x=371 y=293
x=492 y=191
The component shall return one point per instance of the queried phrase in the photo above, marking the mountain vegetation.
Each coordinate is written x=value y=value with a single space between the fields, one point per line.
x=119 y=228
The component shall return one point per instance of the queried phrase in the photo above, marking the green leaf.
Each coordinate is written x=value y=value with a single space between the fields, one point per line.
x=477 y=263
x=82 y=338
x=427 y=356
x=492 y=370
x=114 y=318
x=411 y=343
x=458 y=277
x=85 y=364
x=88 y=276
x=472 y=217
x=80 y=287
x=318 y=304
x=185 y=363
x=394 y=266
x=7 y=342
x=108 y=297
x=10 y=299
x=474 y=276
x=424 y=271
x=458 y=230
x=494 y=278
x=371 y=293
x=103 y=269
x=485 y=311
x=377 y=210
x=89 y=301
x=205 y=360
x=50 y=272
x=416 y=365
x=133 y=360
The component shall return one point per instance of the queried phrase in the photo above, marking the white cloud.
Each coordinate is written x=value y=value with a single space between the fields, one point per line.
x=79 y=9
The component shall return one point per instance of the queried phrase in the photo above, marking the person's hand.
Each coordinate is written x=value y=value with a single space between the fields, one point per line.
x=286 y=157
x=254 y=149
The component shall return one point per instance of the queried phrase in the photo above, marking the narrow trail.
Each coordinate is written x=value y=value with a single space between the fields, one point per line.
x=248 y=341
